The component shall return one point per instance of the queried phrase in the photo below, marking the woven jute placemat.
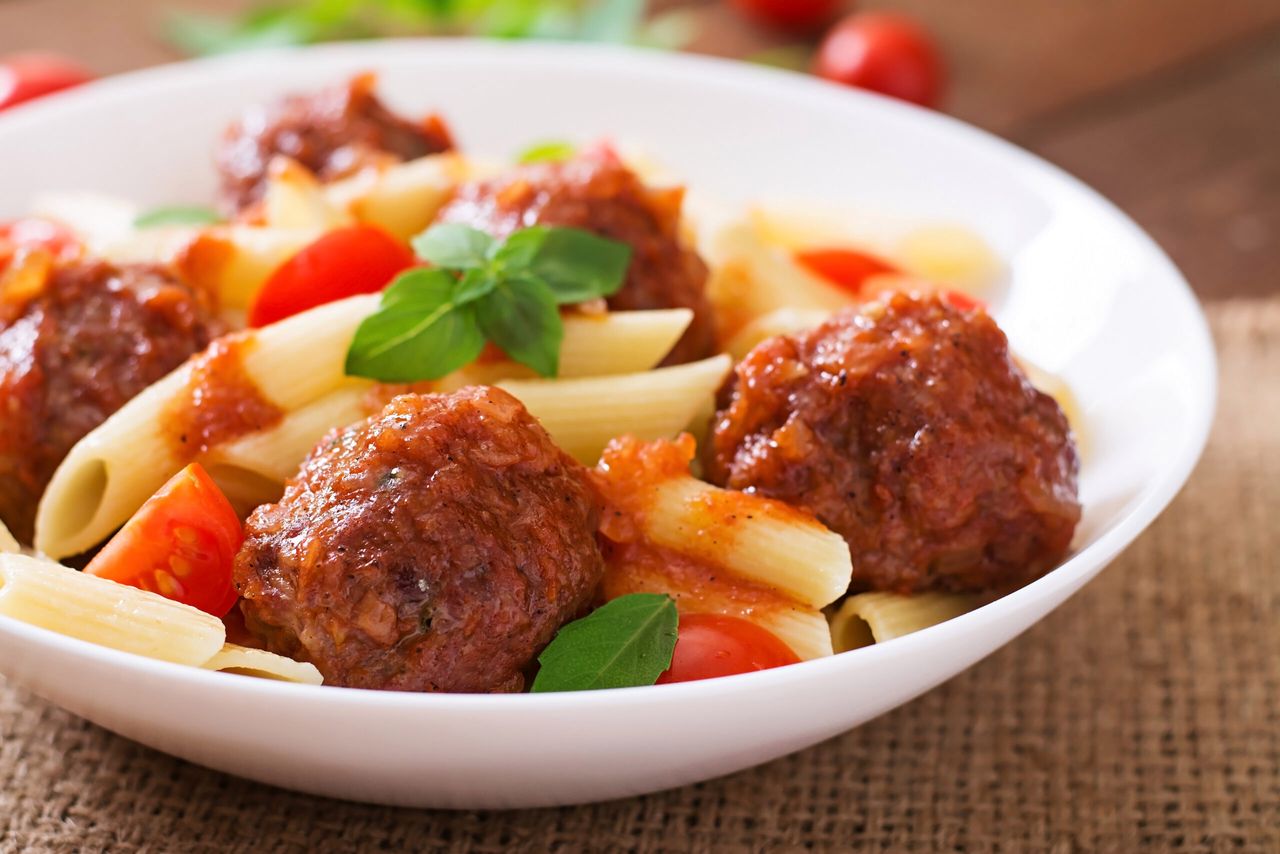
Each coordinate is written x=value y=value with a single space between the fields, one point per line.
x=1142 y=715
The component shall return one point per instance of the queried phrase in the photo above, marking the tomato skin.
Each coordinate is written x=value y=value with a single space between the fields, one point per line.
x=793 y=16
x=712 y=645
x=847 y=268
x=964 y=302
x=24 y=76
x=884 y=52
x=358 y=259
x=181 y=544
x=34 y=232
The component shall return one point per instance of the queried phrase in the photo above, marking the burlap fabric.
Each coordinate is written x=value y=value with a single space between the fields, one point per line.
x=1142 y=715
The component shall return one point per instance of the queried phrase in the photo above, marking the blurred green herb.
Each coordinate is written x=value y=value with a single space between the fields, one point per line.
x=792 y=57
x=177 y=215
x=275 y=24
x=546 y=152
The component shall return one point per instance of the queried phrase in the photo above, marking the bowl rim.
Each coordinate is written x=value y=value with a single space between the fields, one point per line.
x=1042 y=174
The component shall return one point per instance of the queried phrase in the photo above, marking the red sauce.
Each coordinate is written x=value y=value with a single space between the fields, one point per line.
x=629 y=474
x=221 y=402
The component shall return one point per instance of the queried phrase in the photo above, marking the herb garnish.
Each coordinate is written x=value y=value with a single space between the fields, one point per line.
x=177 y=215
x=549 y=151
x=627 y=642
x=433 y=321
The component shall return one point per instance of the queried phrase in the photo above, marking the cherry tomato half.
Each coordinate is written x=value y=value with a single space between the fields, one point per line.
x=360 y=259
x=886 y=53
x=711 y=645
x=32 y=232
x=793 y=16
x=180 y=544
x=847 y=268
x=24 y=76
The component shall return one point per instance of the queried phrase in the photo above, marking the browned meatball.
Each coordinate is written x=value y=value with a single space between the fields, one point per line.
x=598 y=193
x=334 y=132
x=437 y=546
x=70 y=355
x=908 y=430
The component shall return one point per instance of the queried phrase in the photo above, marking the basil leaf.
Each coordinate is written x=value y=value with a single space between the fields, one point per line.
x=577 y=265
x=474 y=285
x=521 y=317
x=418 y=332
x=628 y=641
x=550 y=151
x=453 y=245
x=177 y=215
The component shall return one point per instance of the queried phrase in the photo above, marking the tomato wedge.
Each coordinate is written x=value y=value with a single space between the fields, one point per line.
x=711 y=645
x=180 y=544
x=359 y=259
x=847 y=268
x=24 y=76
x=34 y=232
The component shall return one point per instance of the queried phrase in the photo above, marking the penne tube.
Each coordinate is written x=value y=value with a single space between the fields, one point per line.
x=235 y=261
x=110 y=472
x=867 y=618
x=756 y=538
x=583 y=414
x=277 y=453
x=98 y=220
x=617 y=342
x=262 y=664
x=783 y=321
x=404 y=198
x=8 y=544
x=804 y=630
x=294 y=199
x=754 y=278
x=60 y=599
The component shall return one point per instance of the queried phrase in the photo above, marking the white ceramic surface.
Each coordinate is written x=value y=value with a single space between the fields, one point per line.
x=1091 y=298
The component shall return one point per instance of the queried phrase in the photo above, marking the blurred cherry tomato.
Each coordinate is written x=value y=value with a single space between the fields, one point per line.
x=24 y=76
x=794 y=16
x=711 y=645
x=886 y=53
x=847 y=268
x=358 y=259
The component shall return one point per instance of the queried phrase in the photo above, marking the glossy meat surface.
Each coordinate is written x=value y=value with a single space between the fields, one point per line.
x=438 y=546
x=72 y=354
x=334 y=132
x=596 y=192
x=910 y=431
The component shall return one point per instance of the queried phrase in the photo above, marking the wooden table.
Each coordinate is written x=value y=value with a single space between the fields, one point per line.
x=1169 y=107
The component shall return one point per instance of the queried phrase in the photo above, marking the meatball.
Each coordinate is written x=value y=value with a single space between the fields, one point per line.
x=92 y=337
x=908 y=430
x=334 y=132
x=437 y=546
x=598 y=193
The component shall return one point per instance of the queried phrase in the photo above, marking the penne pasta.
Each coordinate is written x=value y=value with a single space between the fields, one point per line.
x=804 y=630
x=755 y=278
x=117 y=466
x=275 y=454
x=583 y=414
x=7 y=542
x=783 y=321
x=247 y=661
x=295 y=199
x=404 y=198
x=756 y=538
x=618 y=342
x=867 y=618
x=234 y=261
x=60 y=599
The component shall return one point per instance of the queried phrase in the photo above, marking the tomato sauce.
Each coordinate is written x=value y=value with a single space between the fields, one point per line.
x=221 y=402
x=629 y=475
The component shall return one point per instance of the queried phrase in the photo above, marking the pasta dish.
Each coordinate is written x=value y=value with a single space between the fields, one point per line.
x=397 y=417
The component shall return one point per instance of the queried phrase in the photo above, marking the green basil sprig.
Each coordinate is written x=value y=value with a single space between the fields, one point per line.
x=627 y=642
x=177 y=215
x=432 y=321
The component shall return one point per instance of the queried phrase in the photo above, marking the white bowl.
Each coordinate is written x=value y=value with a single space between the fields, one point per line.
x=1091 y=298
